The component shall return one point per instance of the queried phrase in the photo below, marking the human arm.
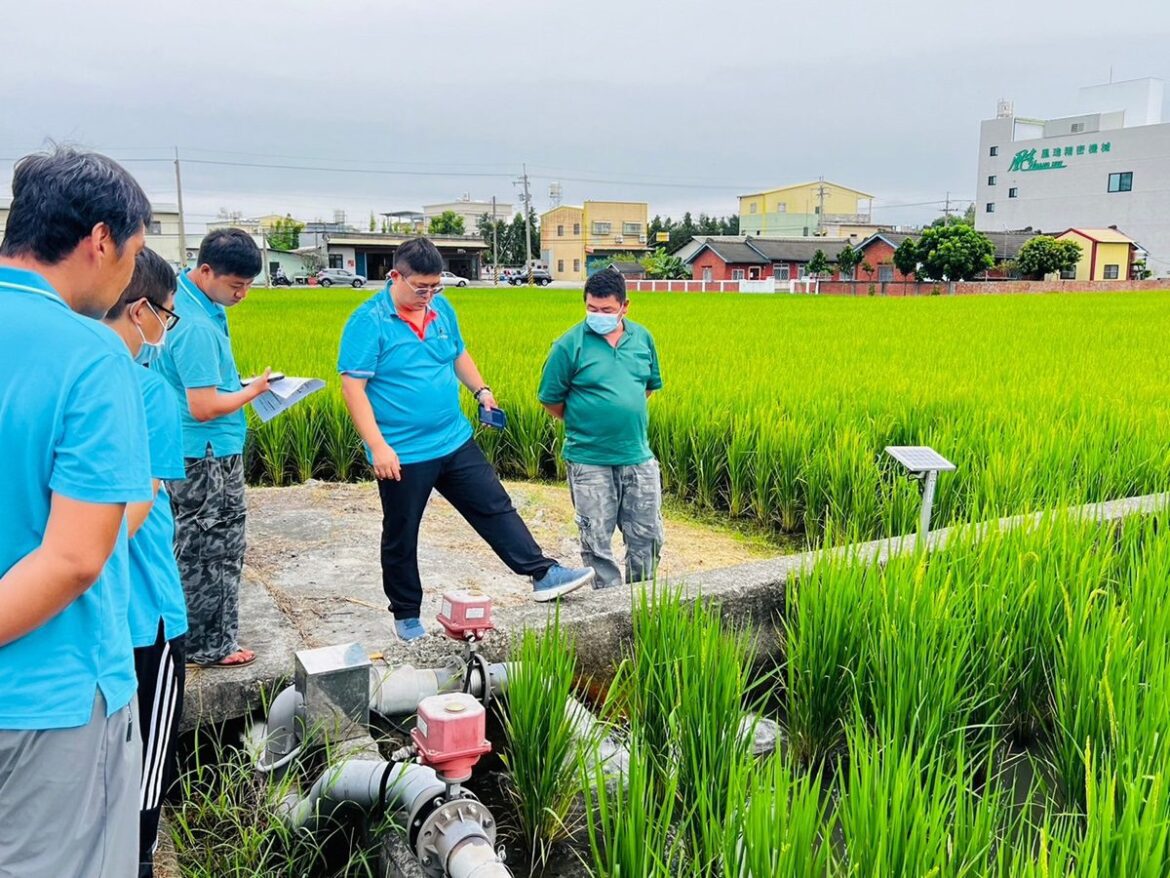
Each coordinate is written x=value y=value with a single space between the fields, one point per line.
x=137 y=513
x=468 y=373
x=209 y=403
x=79 y=539
x=556 y=409
x=386 y=464
x=553 y=390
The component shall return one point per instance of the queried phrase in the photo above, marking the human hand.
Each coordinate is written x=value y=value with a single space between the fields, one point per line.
x=488 y=401
x=386 y=465
x=260 y=385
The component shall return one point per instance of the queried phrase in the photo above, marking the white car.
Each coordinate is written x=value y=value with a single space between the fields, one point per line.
x=453 y=280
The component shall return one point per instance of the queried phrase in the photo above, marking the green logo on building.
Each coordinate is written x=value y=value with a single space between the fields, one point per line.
x=1025 y=160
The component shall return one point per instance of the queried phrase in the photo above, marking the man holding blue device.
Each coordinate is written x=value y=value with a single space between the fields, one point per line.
x=401 y=361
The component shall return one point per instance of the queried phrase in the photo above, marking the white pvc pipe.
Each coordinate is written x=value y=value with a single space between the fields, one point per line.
x=476 y=859
x=399 y=692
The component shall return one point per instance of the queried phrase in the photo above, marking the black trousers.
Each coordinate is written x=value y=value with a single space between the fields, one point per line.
x=469 y=483
x=162 y=672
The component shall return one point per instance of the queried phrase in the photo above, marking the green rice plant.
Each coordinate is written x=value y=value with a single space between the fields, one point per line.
x=739 y=468
x=341 y=445
x=631 y=824
x=541 y=749
x=782 y=824
x=272 y=447
x=304 y=439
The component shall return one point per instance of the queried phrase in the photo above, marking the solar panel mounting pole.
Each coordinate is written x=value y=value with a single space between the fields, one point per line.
x=928 y=482
x=923 y=464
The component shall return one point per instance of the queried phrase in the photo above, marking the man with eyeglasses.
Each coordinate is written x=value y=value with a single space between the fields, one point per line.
x=209 y=504
x=143 y=318
x=401 y=361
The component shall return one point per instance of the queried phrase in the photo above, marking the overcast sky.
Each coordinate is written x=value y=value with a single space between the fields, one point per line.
x=682 y=104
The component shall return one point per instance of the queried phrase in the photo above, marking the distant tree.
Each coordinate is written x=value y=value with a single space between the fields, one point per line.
x=313 y=261
x=1140 y=270
x=906 y=257
x=847 y=260
x=969 y=215
x=446 y=223
x=730 y=225
x=660 y=265
x=954 y=252
x=867 y=270
x=285 y=234
x=1044 y=254
x=819 y=266
x=374 y=222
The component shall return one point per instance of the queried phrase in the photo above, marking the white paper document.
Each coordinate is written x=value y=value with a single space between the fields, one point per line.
x=282 y=394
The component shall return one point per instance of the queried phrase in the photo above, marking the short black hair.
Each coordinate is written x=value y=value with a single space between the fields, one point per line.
x=153 y=280
x=58 y=197
x=230 y=251
x=608 y=282
x=418 y=256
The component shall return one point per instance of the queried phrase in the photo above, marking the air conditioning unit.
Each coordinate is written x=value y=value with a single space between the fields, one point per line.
x=641 y=239
x=617 y=239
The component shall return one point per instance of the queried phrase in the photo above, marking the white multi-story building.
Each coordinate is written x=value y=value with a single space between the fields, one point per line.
x=1108 y=166
x=471 y=211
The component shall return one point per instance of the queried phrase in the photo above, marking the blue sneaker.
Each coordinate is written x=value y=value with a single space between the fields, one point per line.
x=409 y=629
x=560 y=581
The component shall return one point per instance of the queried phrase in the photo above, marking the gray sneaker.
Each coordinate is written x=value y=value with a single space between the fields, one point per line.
x=560 y=581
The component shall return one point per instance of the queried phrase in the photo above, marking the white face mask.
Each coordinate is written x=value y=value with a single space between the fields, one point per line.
x=150 y=351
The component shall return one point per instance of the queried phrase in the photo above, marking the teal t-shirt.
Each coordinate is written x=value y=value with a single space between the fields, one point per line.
x=156 y=592
x=604 y=389
x=198 y=353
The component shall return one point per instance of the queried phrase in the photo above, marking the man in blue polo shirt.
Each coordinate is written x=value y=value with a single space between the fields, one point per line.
x=158 y=611
x=597 y=379
x=209 y=505
x=401 y=361
x=73 y=442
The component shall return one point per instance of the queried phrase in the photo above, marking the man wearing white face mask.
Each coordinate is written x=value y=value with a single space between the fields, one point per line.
x=597 y=379
x=158 y=608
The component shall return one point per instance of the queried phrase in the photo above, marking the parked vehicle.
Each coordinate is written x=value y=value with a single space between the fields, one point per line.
x=540 y=276
x=327 y=277
x=453 y=280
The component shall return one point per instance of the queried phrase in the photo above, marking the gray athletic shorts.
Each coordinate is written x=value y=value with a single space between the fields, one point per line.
x=69 y=798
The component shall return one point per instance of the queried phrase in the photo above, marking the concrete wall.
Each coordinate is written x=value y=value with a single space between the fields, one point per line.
x=1076 y=195
x=909 y=288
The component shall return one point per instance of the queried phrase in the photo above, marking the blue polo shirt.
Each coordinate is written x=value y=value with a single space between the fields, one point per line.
x=410 y=381
x=155 y=589
x=198 y=353
x=71 y=423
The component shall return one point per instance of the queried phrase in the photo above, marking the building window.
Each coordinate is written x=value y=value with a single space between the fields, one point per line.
x=601 y=228
x=1068 y=274
x=994 y=151
x=560 y=266
x=991 y=180
x=576 y=265
x=1112 y=272
x=335 y=260
x=560 y=231
x=1078 y=127
x=781 y=272
x=576 y=228
x=782 y=207
x=752 y=207
x=631 y=228
x=1013 y=192
x=885 y=274
x=989 y=207
x=737 y=274
x=817 y=210
x=155 y=228
x=1122 y=182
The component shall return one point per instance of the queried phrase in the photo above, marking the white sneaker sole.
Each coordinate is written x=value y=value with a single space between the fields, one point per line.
x=551 y=594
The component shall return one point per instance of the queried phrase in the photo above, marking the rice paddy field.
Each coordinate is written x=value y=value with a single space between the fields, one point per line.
x=776 y=408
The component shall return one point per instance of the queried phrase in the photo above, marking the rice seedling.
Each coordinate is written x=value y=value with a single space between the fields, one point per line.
x=542 y=750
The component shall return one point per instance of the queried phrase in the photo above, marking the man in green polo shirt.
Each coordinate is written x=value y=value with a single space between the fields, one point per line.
x=597 y=378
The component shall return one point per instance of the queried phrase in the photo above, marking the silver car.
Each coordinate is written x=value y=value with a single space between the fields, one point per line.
x=452 y=280
x=327 y=277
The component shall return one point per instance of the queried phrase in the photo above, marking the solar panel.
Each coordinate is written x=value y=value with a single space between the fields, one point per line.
x=919 y=458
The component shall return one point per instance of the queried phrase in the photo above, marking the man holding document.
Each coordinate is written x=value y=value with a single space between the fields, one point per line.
x=402 y=360
x=209 y=504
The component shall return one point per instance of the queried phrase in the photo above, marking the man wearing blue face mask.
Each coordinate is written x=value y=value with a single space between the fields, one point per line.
x=597 y=379
x=158 y=609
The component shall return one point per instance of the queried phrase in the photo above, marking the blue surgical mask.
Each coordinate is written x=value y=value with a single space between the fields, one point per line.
x=602 y=324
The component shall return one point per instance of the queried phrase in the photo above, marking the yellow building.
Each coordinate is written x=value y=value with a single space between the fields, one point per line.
x=1106 y=254
x=574 y=240
x=803 y=209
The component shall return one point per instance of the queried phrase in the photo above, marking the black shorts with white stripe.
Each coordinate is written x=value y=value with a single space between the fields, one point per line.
x=162 y=672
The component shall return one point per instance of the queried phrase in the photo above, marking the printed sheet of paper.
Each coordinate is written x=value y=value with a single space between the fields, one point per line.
x=282 y=394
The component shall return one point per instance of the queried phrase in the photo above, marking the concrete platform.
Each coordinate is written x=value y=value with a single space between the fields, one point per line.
x=312 y=578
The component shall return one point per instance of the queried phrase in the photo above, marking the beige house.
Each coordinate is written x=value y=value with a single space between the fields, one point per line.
x=575 y=240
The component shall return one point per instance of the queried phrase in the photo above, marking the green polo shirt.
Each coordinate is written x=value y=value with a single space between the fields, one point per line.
x=604 y=389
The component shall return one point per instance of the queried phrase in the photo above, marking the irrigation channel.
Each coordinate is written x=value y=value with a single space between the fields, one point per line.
x=994 y=705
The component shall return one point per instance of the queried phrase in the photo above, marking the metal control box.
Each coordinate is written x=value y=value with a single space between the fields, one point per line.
x=335 y=684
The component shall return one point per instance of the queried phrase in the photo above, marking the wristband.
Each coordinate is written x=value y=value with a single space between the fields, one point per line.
x=480 y=392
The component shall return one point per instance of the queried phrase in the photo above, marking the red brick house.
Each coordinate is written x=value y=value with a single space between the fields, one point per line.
x=750 y=258
x=878 y=252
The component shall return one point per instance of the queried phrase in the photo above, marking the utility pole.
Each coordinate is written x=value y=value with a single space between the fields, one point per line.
x=821 y=208
x=527 y=225
x=182 y=229
x=495 y=247
x=947 y=211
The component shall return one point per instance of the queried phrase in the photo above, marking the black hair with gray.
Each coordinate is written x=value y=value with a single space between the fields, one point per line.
x=59 y=196
x=605 y=284
x=418 y=256
x=230 y=252
x=153 y=280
